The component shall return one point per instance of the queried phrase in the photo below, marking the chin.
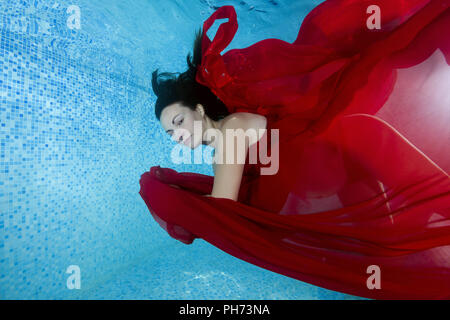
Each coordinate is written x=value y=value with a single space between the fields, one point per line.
x=195 y=143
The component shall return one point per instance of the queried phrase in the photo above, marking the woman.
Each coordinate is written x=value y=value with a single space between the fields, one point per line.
x=360 y=202
x=182 y=101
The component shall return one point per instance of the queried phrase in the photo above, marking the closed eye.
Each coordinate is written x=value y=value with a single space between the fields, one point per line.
x=179 y=122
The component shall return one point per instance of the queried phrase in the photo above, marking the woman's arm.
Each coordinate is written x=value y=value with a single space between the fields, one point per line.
x=228 y=176
x=227 y=180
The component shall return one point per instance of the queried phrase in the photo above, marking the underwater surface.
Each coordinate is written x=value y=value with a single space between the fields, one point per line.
x=77 y=132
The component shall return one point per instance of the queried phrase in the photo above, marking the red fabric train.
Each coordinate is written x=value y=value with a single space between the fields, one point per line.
x=364 y=159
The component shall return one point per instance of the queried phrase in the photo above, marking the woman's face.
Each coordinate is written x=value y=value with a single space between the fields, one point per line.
x=178 y=121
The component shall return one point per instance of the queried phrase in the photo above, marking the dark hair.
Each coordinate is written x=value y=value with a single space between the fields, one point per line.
x=184 y=89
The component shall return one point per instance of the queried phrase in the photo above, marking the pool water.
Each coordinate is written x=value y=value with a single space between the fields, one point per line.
x=78 y=130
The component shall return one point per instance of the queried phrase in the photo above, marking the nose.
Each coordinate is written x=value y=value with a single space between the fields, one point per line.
x=178 y=139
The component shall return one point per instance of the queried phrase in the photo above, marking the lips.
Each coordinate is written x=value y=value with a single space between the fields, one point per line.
x=187 y=141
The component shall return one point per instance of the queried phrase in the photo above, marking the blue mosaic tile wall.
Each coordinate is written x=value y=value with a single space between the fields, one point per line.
x=77 y=129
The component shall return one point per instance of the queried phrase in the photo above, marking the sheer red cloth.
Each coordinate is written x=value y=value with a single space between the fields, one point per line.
x=364 y=160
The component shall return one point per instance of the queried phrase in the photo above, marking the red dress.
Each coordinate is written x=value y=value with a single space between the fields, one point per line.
x=364 y=158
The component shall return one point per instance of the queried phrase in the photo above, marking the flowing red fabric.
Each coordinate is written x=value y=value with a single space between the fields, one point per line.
x=362 y=191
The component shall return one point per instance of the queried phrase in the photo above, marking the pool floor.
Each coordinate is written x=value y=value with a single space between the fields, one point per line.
x=200 y=272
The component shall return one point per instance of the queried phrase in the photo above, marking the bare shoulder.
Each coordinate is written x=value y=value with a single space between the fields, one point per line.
x=228 y=174
x=244 y=120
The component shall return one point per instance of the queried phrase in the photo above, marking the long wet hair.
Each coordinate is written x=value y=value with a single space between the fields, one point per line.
x=183 y=88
